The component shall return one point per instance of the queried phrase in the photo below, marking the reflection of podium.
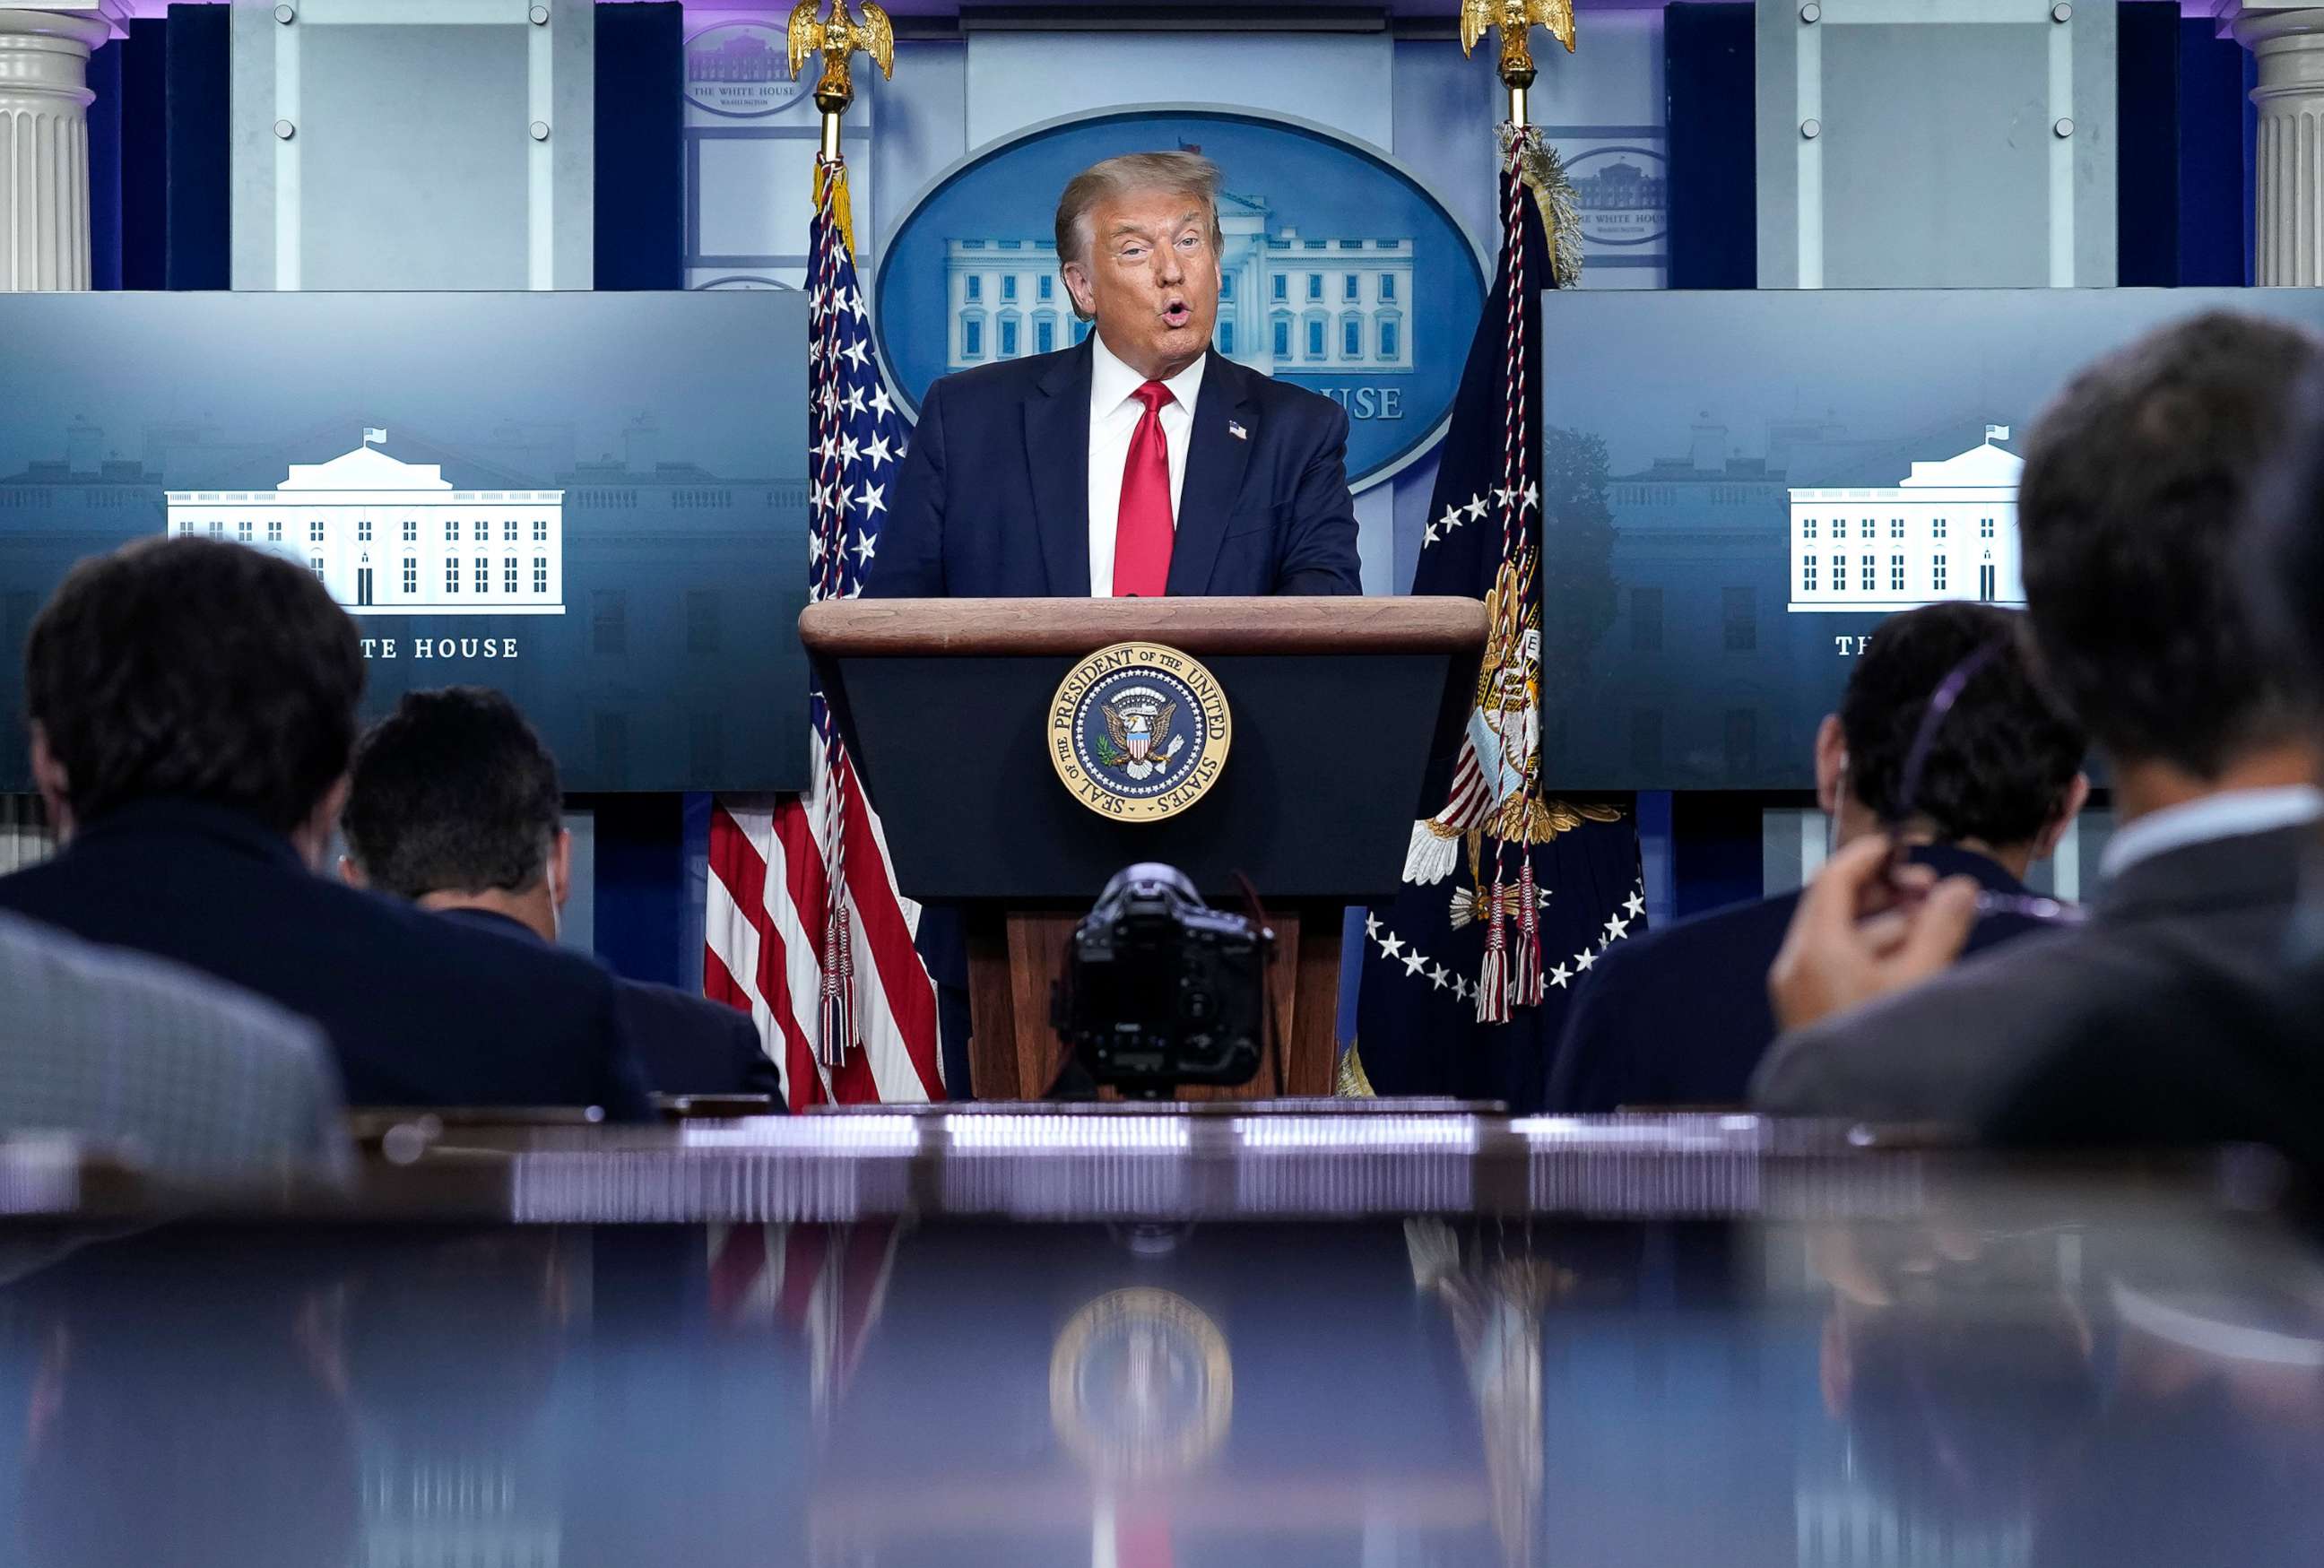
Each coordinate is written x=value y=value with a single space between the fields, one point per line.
x=1336 y=704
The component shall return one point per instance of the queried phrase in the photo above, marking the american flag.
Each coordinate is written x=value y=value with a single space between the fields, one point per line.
x=804 y=928
x=1508 y=895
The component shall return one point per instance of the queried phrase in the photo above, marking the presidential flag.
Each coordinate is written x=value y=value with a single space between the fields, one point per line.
x=804 y=928
x=1509 y=894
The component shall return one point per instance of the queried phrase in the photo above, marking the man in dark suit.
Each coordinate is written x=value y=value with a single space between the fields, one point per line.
x=1137 y=462
x=1680 y=1017
x=192 y=705
x=454 y=804
x=2232 y=1051
x=2131 y=516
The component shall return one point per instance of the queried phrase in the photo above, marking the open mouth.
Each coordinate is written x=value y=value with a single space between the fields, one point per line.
x=1177 y=313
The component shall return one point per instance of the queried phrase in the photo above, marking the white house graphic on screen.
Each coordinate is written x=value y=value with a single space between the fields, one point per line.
x=1947 y=531
x=391 y=537
x=1285 y=302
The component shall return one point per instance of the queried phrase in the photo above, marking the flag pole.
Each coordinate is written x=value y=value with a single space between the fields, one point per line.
x=838 y=37
x=1518 y=78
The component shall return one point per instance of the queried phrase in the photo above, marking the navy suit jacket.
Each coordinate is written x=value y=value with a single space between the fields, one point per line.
x=992 y=498
x=1681 y=1016
x=687 y=1045
x=420 y=1010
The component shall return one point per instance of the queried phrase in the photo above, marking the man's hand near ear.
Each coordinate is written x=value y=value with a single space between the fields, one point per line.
x=1861 y=933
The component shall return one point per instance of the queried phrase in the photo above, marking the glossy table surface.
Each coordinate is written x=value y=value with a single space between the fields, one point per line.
x=1273 y=1161
x=1770 y=1345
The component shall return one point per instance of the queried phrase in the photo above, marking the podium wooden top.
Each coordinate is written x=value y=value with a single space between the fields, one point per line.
x=901 y=628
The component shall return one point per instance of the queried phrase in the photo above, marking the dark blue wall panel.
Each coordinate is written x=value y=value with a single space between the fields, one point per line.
x=2147 y=175
x=145 y=155
x=198 y=70
x=2251 y=167
x=1708 y=59
x=105 y=166
x=641 y=886
x=1716 y=846
x=2215 y=125
x=641 y=188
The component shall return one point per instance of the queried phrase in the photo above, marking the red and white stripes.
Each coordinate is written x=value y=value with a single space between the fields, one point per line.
x=767 y=884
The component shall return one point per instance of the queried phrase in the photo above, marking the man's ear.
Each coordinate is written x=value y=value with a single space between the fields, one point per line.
x=1078 y=284
x=334 y=800
x=351 y=873
x=48 y=777
x=2078 y=795
x=560 y=868
x=312 y=839
x=1830 y=764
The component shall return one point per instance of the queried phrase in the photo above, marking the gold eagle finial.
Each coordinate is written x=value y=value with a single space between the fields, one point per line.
x=838 y=37
x=1516 y=19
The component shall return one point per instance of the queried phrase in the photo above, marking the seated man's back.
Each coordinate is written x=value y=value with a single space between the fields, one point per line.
x=1680 y=1017
x=185 y=1076
x=688 y=1045
x=193 y=709
x=2179 y=1053
x=418 y=1011
x=2216 y=913
x=454 y=804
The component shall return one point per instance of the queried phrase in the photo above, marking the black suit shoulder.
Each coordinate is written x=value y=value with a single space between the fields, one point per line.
x=420 y=1010
x=689 y=1045
x=2171 y=1059
x=1000 y=381
x=1678 y=1016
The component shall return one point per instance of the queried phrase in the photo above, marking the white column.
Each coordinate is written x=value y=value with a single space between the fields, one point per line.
x=2289 y=179
x=44 y=100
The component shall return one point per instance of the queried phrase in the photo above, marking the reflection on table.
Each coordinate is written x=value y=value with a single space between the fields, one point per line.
x=1990 y=1380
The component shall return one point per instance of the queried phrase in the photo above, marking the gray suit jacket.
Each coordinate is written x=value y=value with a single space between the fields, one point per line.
x=184 y=1075
x=1954 y=1049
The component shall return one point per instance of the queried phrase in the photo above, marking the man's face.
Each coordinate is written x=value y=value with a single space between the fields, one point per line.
x=1151 y=278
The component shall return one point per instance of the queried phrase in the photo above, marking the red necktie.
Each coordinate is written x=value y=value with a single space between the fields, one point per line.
x=1143 y=533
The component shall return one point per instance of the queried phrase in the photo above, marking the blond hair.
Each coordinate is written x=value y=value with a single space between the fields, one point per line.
x=1188 y=172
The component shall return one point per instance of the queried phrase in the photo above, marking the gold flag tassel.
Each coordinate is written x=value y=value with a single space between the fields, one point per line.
x=1543 y=174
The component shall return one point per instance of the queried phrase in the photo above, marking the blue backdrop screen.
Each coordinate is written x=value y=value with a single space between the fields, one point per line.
x=595 y=503
x=1754 y=481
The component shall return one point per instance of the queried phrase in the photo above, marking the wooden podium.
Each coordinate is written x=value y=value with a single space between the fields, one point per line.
x=1337 y=704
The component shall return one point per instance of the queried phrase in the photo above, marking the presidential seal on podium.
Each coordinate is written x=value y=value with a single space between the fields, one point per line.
x=1139 y=731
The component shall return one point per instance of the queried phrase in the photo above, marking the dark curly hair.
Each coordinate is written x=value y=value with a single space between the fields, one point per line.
x=2283 y=554
x=2001 y=760
x=2138 y=480
x=197 y=669
x=452 y=792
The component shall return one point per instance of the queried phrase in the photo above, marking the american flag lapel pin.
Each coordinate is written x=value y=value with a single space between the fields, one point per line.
x=1237 y=431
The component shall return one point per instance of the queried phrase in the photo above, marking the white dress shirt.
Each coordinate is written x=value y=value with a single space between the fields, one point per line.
x=1114 y=414
x=2229 y=815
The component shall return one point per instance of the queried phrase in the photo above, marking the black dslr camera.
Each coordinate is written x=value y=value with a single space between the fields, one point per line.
x=1162 y=990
